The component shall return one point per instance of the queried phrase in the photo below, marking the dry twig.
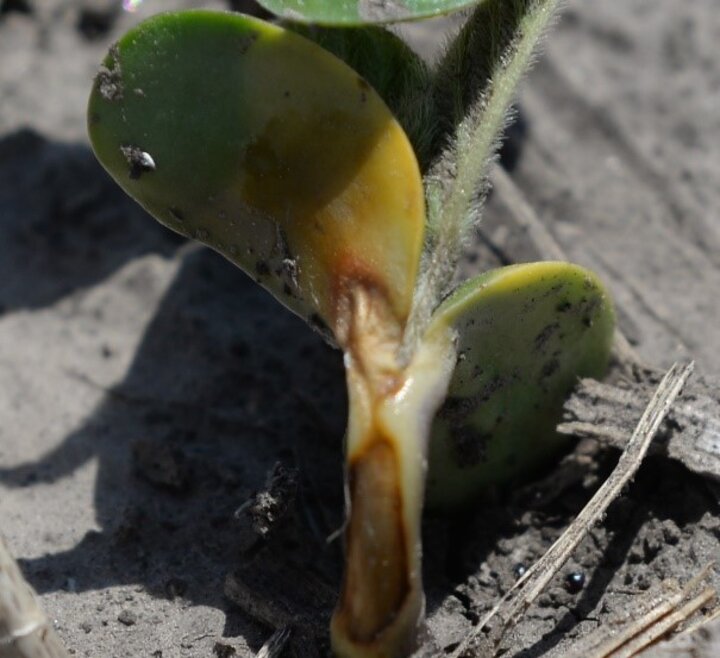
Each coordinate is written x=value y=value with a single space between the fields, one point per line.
x=664 y=625
x=700 y=641
x=653 y=614
x=690 y=433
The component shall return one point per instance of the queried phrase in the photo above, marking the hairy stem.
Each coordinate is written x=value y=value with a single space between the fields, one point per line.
x=476 y=84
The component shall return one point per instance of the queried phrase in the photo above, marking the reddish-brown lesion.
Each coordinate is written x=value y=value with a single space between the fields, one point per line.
x=378 y=582
x=367 y=327
x=377 y=579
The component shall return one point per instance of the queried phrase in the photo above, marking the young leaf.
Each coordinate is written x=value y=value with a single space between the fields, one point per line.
x=526 y=333
x=476 y=85
x=269 y=149
x=392 y=68
x=361 y=12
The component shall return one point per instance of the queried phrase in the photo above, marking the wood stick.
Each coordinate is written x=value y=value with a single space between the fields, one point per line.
x=690 y=434
x=665 y=625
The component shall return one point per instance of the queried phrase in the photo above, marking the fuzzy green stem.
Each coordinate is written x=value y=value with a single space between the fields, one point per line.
x=476 y=86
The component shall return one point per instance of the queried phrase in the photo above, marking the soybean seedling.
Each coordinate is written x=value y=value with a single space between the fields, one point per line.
x=349 y=193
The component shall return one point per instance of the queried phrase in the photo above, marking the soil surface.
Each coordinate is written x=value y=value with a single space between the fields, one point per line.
x=171 y=438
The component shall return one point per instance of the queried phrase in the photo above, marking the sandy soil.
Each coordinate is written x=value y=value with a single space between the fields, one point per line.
x=149 y=388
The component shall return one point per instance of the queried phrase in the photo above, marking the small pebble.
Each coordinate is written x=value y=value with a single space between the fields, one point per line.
x=671 y=532
x=643 y=582
x=224 y=650
x=575 y=581
x=651 y=547
x=127 y=617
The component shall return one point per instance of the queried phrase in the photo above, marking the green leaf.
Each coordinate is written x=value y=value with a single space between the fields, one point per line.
x=361 y=12
x=526 y=333
x=393 y=69
x=269 y=149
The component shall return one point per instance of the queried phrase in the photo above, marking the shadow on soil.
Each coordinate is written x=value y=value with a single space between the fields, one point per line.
x=224 y=384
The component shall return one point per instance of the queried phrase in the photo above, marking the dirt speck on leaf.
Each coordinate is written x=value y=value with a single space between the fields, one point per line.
x=140 y=162
x=246 y=42
x=109 y=78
